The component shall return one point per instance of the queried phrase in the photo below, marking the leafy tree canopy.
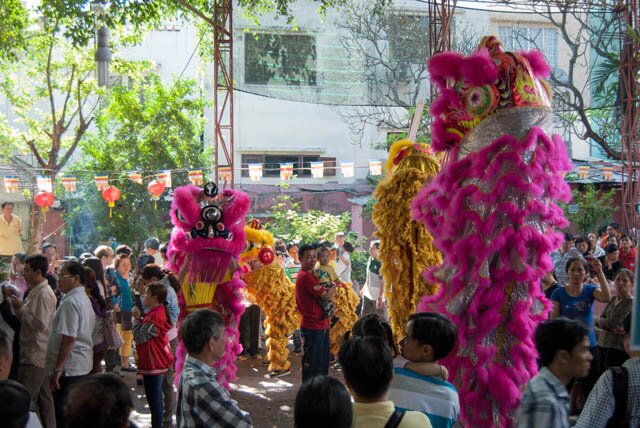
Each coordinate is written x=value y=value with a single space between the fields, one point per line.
x=77 y=18
x=147 y=126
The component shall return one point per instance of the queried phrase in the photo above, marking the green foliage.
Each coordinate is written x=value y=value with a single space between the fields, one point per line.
x=359 y=261
x=289 y=224
x=14 y=21
x=312 y=226
x=147 y=126
x=50 y=92
x=76 y=19
x=595 y=207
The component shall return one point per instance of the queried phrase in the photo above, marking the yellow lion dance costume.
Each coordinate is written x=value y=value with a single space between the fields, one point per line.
x=268 y=284
x=406 y=248
x=345 y=302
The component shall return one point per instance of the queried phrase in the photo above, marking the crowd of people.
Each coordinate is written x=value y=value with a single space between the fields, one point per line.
x=75 y=325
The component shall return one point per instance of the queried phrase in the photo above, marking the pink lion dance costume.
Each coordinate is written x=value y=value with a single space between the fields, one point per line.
x=492 y=213
x=209 y=230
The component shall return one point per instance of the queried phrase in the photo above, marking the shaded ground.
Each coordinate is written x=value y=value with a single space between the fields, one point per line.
x=269 y=401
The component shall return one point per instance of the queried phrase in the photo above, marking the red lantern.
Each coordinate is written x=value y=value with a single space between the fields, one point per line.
x=44 y=200
x=111 y=194
x=156 y=188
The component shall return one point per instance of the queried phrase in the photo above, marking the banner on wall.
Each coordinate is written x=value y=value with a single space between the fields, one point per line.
x=44 y=184
x=348 y=169
x=196 y=177
x=102 y=182
x=69 y=184
x=225 y=174
x=255 y=171
x=11 y=184
x=375 y=167
x=286 y=171
x=135 y=177
x=165 y=177
x=317 y=169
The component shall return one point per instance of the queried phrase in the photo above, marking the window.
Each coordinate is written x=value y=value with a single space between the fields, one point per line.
x=301 y=164
x=526 y=38
x=408 y=38
x=280 y=59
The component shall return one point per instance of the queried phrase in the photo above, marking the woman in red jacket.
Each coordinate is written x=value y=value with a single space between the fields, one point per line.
x=154 y=354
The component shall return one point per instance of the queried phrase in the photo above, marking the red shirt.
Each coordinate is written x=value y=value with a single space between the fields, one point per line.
x=628 y=260
x=308 y=290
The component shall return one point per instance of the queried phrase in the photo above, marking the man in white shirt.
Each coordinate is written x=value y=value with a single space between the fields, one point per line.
x=343 y=260
x=36 y=315
x=373 y=301
x=70 y=346
x=152 y=248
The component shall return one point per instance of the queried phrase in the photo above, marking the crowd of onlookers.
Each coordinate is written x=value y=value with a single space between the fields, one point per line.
x=75 y=325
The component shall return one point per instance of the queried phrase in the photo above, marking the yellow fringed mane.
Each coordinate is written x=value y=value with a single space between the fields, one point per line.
x=406 y=247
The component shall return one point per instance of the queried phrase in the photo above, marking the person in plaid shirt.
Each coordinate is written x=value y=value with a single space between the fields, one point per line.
x=202 y=401
x=563 y=346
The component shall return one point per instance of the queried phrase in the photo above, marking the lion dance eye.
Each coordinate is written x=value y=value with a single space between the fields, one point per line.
x=479 y=101
x=179 y=216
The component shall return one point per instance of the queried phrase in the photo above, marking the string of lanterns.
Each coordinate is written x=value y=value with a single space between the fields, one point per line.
x=44 y=197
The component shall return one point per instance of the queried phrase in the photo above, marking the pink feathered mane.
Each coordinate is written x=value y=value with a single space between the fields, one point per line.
x=210 y=260
x=493 y=215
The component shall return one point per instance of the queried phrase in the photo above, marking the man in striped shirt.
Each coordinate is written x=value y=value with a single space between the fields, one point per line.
x=429 y=337
x=563 y=346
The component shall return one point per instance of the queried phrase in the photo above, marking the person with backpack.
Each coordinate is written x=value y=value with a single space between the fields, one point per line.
x=615 y=399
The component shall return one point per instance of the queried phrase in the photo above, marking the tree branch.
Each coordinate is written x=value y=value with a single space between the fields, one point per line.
x=184 y=4
x=35 y=152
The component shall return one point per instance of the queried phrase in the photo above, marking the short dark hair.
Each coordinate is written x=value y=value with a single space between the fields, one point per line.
x=435 y=330
x=304 y=248
x=367 y=365
x=96 y=266
x=76 y=268
x=568 y=237
x=625 y=236
x=99 y=401
x=5 y=203
x=581 y=239
x=573 y=259
x=323 y=401
x=348 y=247
x=6 y=347
x=290 y=245
x=38 y=262
x=152 y=243
x=610 y=248
x=144 y=260
x=374 y=325
x=14 y=404
x=163 y=247
x=124 y=249
x=200 y=326
x=151 y=270
x=21 y=257
x=558 y=334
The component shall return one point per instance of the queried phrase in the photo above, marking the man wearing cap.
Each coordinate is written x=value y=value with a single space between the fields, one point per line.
x=152 y=248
